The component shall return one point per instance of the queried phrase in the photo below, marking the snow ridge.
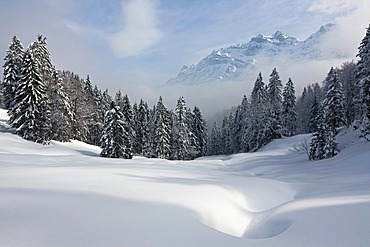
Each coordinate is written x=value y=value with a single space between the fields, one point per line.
x=235 y=62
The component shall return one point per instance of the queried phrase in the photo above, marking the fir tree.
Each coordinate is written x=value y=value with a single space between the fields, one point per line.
x=289 y=115
x=363 y=77
x=142 y=130
x=181 y=132
x=240 y=140
x=30 y=115
x=215 y=147
x=61 y=115
x=162 y=131
x=12 y=71
x=200 y=132
x=257 y=131
x=115 y=141
x=334 y=102
x=313 y=123
x=347 y=75
x=318 y=142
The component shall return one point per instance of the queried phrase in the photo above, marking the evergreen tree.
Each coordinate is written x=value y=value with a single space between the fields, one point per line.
x=314 y=111
x=347 y=75
x=181 y=132
x=274 y=92
x=115 y=141
x=240 y=141
x=142 y=130
x=363 y=77
x=215 y=147
x=162 y=132
x=330 y=148
x=318 y=142
x=30 y=114
x=226 y=136
x=334 y=103
x=200 y=132
x=12 y=71
x=289 y=115
x=61 y=115
x=257 y=131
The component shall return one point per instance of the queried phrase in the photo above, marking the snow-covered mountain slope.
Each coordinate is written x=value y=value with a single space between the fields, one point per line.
x=236 y=62
x=65 y=195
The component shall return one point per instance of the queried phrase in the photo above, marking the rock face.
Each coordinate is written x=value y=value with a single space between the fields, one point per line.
x=232 y=63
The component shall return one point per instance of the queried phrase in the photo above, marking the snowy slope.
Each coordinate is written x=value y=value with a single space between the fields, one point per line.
x=236 y=62
x=65 y=195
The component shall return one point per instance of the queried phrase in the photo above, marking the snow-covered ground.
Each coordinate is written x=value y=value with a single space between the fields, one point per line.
x=65 y=195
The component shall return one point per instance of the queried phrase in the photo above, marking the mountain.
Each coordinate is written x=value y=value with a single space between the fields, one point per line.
x=235 y=62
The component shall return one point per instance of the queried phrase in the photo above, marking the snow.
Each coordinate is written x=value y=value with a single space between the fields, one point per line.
x=66 y=195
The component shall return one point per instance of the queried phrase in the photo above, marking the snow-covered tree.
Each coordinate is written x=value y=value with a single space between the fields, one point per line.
x=12 y=71
x=239 y=128
x=30 y=114
x=181 y=132
x=123 y=102
x=162 y=131
x=274 y=93
x=142 y=130
x=115 y=142
x=259 y=111
x=363 y=77
x=347 y=76
x=314 y=111
x=61 y=114
x=334 y=102
x=215 y=147
x=318 y=142
x=289 y=115
x=200 y=132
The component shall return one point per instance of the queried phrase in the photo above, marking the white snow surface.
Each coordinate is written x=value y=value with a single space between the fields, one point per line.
x=64 y=194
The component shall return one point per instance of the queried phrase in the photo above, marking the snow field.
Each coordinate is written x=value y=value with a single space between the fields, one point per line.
x=65 y=195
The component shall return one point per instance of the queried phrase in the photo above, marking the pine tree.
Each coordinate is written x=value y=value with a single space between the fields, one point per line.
x=363 y=80
x=313 y=123
x=257 y=136
x=61 y=115
x=330 y=148
x=162 y=131
x=289 y=115
x=334 y=102
x=142 y=130
x=12 y=71
x=318 y=142
x=240 y=128
x=181 y=132
x=30 y=115
x=347 y=75
x=215 y=147
x=200 y=132
x=115 y=141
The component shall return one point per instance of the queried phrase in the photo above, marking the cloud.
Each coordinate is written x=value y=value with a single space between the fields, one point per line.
x=331 y=7
x=140 y=29
x=349 y=30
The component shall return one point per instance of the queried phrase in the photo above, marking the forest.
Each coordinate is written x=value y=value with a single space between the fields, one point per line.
x=47 y=104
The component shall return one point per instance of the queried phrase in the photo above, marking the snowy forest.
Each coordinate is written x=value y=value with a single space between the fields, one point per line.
x=46 y=104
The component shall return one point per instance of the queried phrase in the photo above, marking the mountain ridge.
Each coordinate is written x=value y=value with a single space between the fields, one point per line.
x=235 y=62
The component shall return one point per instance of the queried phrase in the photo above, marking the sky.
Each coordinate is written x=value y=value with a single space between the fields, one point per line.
x=137 y=45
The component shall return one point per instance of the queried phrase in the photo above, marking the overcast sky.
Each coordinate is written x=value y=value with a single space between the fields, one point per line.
x=136 y=45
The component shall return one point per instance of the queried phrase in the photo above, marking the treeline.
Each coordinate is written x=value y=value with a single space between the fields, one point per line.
x=342 y=99
x=45 y=104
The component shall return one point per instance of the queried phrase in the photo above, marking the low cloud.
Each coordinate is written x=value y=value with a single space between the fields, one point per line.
x=140 y=29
